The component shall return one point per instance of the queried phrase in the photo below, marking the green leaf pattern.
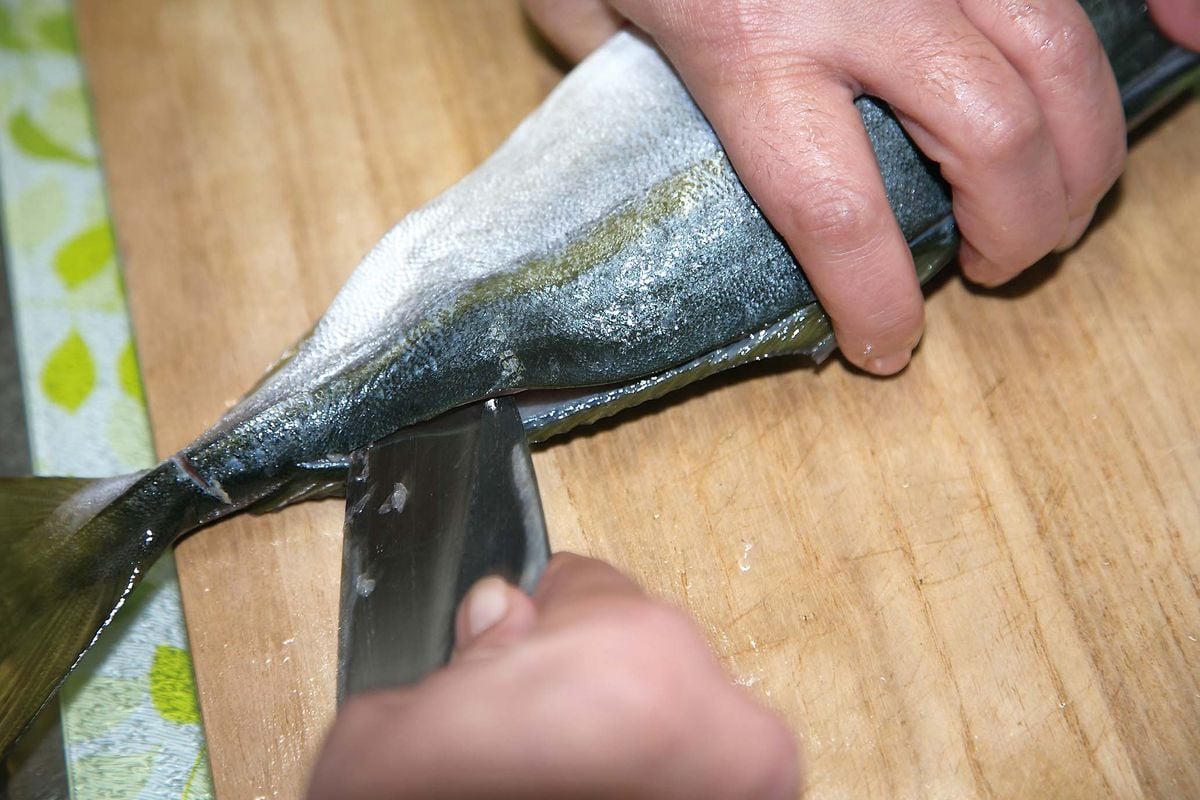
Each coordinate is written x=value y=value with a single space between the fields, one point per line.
x=85 y=255
x=128 y=374
x=69 y=374
x=32 y=140
x=131 y=724
x=58 y=32
x=10 y=39
x=172 y=687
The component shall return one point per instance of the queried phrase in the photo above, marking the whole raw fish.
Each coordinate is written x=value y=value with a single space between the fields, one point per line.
x=607 y=244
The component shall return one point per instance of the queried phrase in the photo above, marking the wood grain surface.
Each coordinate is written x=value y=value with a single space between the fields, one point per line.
x=978 y=579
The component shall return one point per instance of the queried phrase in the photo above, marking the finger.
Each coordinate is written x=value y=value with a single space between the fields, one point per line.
x=1179 y=19
x=805 y=157
x=492 y=615
x=575 y=27
x=1055 y=49
x=969 y=110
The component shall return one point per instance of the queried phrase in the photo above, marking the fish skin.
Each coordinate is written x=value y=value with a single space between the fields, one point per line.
x=663 y=258
x=607 y=242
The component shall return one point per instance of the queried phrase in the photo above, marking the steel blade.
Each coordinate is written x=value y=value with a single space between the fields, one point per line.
x=429 y=511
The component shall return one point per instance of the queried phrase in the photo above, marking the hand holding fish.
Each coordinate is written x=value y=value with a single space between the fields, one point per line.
x=588 y=689
x=1015 y=101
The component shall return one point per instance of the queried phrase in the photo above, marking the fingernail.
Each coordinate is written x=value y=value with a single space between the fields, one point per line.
x=890 y=365
x=486 y=605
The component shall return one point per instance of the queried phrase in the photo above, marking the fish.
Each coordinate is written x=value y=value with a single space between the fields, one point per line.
x=604 y=255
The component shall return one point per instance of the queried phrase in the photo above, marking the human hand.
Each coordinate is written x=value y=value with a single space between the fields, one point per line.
x=587 y=689
x=1015 y=100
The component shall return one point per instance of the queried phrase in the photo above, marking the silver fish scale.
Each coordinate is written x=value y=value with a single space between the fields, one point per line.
x=619 y=160
x=600 y=124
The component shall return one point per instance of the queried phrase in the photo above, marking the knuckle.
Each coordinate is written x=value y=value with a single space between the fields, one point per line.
x=1067 y=52
x=748 y=18
x=745 y=44
x=1003 y=131
x=946 y=62
x=844 y=218
x=734 y=14
x=726 y=23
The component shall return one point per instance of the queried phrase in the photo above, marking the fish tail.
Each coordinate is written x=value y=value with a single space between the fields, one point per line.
x=61 y=581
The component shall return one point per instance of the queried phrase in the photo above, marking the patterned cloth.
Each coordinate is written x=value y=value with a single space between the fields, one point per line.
x=131 y=724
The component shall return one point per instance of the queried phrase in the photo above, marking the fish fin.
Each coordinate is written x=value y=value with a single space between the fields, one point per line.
x=298 y=494
x=314 y=480
x=50 y=609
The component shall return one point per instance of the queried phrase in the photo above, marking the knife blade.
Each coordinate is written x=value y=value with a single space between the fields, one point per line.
x=429 y=511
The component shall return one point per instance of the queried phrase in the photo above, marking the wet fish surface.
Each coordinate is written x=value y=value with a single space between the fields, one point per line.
x=605 y=254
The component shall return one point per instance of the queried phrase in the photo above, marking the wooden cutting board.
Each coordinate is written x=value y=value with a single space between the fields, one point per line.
x=978 y=579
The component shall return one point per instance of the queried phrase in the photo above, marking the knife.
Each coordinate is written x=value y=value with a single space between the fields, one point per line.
x=429 y=511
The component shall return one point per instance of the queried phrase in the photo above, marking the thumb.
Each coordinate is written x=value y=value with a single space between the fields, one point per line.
x=493 y=614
